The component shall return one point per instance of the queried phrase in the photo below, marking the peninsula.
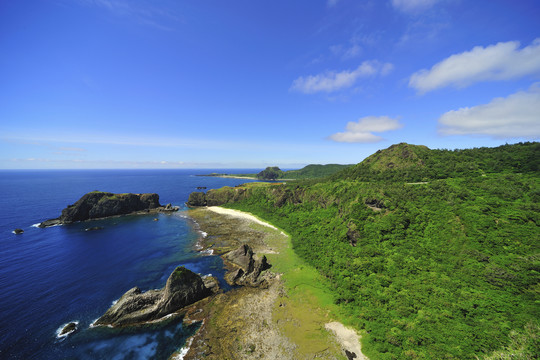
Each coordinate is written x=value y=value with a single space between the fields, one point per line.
x=99 y=204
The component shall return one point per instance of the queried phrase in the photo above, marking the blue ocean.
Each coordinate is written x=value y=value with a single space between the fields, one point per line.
x=52 y=276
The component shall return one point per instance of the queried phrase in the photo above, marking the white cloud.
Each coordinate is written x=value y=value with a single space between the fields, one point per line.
x=331 y=81
x=502 y=61
x=517 y=115
x=413 y=5
x=362 y=130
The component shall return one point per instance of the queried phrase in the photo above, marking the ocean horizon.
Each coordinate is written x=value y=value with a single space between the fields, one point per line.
x=53 y=276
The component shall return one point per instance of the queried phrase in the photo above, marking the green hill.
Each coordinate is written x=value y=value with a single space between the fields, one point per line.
x=445 y=269
x=314 y=171
x=419 y=163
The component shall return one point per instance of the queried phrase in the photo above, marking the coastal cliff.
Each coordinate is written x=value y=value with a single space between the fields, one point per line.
x=99 y=204
x=217 y=197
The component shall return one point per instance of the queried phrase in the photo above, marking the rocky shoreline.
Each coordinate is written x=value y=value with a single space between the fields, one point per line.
x=257 y=320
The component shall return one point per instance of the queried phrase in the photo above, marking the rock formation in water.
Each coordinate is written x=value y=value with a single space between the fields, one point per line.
x=248 y=269
x=98 y=204
x=68 y=329
x=183 y=288
x=18 y=231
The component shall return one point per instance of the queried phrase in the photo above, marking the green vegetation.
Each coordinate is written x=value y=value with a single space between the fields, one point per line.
x=419 y=163
x=270 y=173
x=314 y=171
x=447 y=269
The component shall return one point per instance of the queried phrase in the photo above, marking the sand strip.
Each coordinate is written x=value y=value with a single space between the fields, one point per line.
x=240 y=214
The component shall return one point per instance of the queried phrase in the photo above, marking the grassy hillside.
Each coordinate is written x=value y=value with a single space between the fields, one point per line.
x=447 y=269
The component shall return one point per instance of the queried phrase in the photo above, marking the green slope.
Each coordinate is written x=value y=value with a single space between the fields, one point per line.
x=447 y=269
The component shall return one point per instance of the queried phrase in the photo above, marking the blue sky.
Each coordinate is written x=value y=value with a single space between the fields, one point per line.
x=246 y=84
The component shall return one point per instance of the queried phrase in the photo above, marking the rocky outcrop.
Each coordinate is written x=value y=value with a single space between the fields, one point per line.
x=99 y=204
x=217 y=197
x=247 y=268
x=68 y=329
x=183 y=288
x=18 y=231
x=196 y=199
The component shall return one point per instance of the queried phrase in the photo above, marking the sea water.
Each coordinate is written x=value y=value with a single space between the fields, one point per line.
x=50 y=277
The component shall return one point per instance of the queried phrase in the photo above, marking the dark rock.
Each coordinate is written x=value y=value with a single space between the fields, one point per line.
x=18 y=231
x=68 y=329
x=98 y=204
x=248 y=269
x=94 y=228
x=197 y=199
x=169 y=207
x=242 y=257
x=350 y=355
x=183 y=288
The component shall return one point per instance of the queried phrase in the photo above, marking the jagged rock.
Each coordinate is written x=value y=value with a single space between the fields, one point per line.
x=183 y=288
x=248 y=268
x=68 y=329
x=98 y=204
x=211 y=283
x=197 y=199
x=18 y=231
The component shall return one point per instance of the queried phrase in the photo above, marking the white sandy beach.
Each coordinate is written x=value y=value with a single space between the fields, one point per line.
x=240 y=214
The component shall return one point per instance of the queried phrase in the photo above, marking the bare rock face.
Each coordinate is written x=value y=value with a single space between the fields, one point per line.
x=196 y=199
x=183 y=288
x=99 y=204
x=248 y=268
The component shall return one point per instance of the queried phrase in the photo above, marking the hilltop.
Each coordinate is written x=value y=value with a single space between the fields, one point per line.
x=419 y=163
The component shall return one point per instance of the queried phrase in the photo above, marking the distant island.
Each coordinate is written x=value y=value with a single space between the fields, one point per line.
x=99 y=204
x=312 y=171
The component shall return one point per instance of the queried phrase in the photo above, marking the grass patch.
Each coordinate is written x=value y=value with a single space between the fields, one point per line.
x=307 y=305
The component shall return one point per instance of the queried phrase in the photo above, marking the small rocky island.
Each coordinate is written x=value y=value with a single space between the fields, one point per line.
x=183 y=288
x=99 y=204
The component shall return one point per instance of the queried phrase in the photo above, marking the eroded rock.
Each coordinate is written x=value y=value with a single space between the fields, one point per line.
x=247 y=267
x=183 y=288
